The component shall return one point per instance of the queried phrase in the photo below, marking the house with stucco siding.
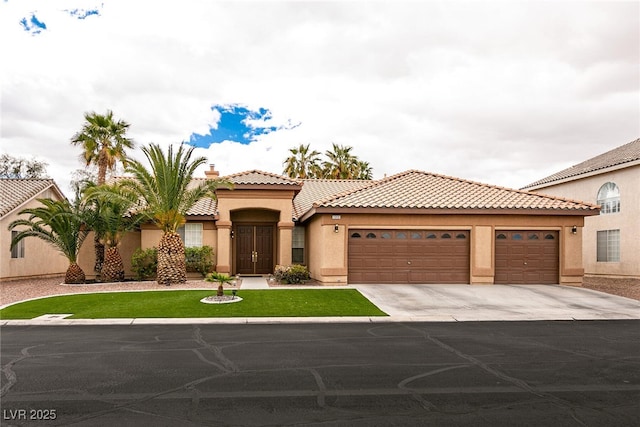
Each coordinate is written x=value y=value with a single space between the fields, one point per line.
x=31 y=257
x=610 y=240
x=412 y=227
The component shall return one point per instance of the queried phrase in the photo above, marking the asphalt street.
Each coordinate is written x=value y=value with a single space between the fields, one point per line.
x=560 y=373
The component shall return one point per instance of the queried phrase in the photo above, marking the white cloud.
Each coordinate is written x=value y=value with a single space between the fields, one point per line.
x=499 y=92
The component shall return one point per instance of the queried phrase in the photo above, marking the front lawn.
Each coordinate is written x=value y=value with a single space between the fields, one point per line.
x=185 y=304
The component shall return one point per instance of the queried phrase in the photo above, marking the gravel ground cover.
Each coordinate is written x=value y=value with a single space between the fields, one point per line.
x=19 y=290
x=629 y=288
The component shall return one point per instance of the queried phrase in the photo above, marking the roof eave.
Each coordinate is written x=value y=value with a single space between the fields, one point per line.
x=583 y=175
x=448 y=211
x=258 y=186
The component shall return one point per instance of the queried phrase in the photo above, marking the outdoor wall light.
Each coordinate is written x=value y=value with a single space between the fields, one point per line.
x=336 y=228
x=574 y=230
x=232 y=234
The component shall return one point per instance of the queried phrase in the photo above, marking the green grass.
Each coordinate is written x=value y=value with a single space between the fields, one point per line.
x=185 y=304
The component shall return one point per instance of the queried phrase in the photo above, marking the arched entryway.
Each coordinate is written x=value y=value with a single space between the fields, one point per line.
x=254 y=240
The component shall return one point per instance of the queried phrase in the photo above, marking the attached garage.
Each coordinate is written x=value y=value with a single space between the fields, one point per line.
x=527 y=257
x=408 y=256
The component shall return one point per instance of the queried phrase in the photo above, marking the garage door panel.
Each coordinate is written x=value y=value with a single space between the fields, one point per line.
x=526 y=257
x=407 y=256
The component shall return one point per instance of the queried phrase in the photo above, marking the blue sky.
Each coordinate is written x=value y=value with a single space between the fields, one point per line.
x=237 y=123
x=527 y=89
x=33 y=25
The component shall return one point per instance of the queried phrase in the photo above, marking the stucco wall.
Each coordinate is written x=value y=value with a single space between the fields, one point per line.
x=586 y=189
x=253 y=205
x=328 y=250
x=40 y=258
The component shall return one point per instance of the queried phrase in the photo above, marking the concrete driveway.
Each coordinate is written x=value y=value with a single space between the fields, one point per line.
x=497 y=302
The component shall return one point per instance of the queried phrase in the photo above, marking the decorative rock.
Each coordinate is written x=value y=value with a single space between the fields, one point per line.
x=225 y=299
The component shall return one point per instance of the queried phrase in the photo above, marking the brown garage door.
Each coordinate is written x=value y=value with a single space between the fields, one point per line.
x=408 y=256
x=527 y=257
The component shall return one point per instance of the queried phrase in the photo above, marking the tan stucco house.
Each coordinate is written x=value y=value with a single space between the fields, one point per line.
x=611 y=240
x=413 y=227
x=31 y=257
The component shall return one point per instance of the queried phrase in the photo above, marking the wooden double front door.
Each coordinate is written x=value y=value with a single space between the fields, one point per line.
x=254 y=248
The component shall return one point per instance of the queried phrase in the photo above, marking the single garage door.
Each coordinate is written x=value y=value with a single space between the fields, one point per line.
x=527 y=257
x=409 y=256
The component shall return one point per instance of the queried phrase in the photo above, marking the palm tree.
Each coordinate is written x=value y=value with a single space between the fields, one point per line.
x=167 y=196
x=103 y=143
x=302 y=163
x=340 y=163
x=113 y=205
x=60 y=223
x=363 y=170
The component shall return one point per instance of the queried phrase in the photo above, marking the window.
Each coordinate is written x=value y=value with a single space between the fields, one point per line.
x=18 y=250
x=371 y=236
x=297 y=245
x=609 y=198
x=401 y=235
x=516 y=236
x=533 y=236
x=416 y=235
x=385 y=235
x=446 y=236
x=549 y=237
x=608 y=246
x=356 y=235
x=431 y=236
x=461 y=236
x=501 y=236
x=191 y=235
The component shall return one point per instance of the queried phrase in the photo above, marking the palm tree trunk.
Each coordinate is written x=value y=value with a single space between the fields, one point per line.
x=74 y=274
x=99 y=250
x=113 y=268
x=171 y=260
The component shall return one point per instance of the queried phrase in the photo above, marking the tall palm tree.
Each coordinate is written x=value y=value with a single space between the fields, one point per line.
x=113 y=205
x=104 y=142
x=167 y=196
x=340 y=163
x=60 y=223
x=302 y=163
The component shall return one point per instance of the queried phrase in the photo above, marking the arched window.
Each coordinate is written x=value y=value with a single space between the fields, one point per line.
x=609 y=198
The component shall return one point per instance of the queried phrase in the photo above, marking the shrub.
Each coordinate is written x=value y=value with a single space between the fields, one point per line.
x=199 y=259
x=295 y=273
x=144 y=262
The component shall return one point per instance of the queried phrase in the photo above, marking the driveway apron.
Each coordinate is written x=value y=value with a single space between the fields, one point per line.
x=498 y=302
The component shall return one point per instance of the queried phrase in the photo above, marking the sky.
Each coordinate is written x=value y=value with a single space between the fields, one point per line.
x=503 y=93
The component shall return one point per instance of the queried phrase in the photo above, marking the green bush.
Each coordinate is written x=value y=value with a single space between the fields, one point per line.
x=199 y=259
x=295 y=273
x=144 y=262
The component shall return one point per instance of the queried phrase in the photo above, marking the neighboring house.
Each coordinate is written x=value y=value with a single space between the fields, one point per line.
x=31 y=257
x=413 y=227
x=611 y=240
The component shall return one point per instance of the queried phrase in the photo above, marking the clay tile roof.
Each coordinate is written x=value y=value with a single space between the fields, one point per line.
x=618 y=156
x=206 y=206
x=260 y=177
x=421 y=190
x=314 y=190
x=15 y=192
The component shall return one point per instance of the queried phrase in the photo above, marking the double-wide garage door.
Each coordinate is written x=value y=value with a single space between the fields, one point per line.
x=409 y=256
